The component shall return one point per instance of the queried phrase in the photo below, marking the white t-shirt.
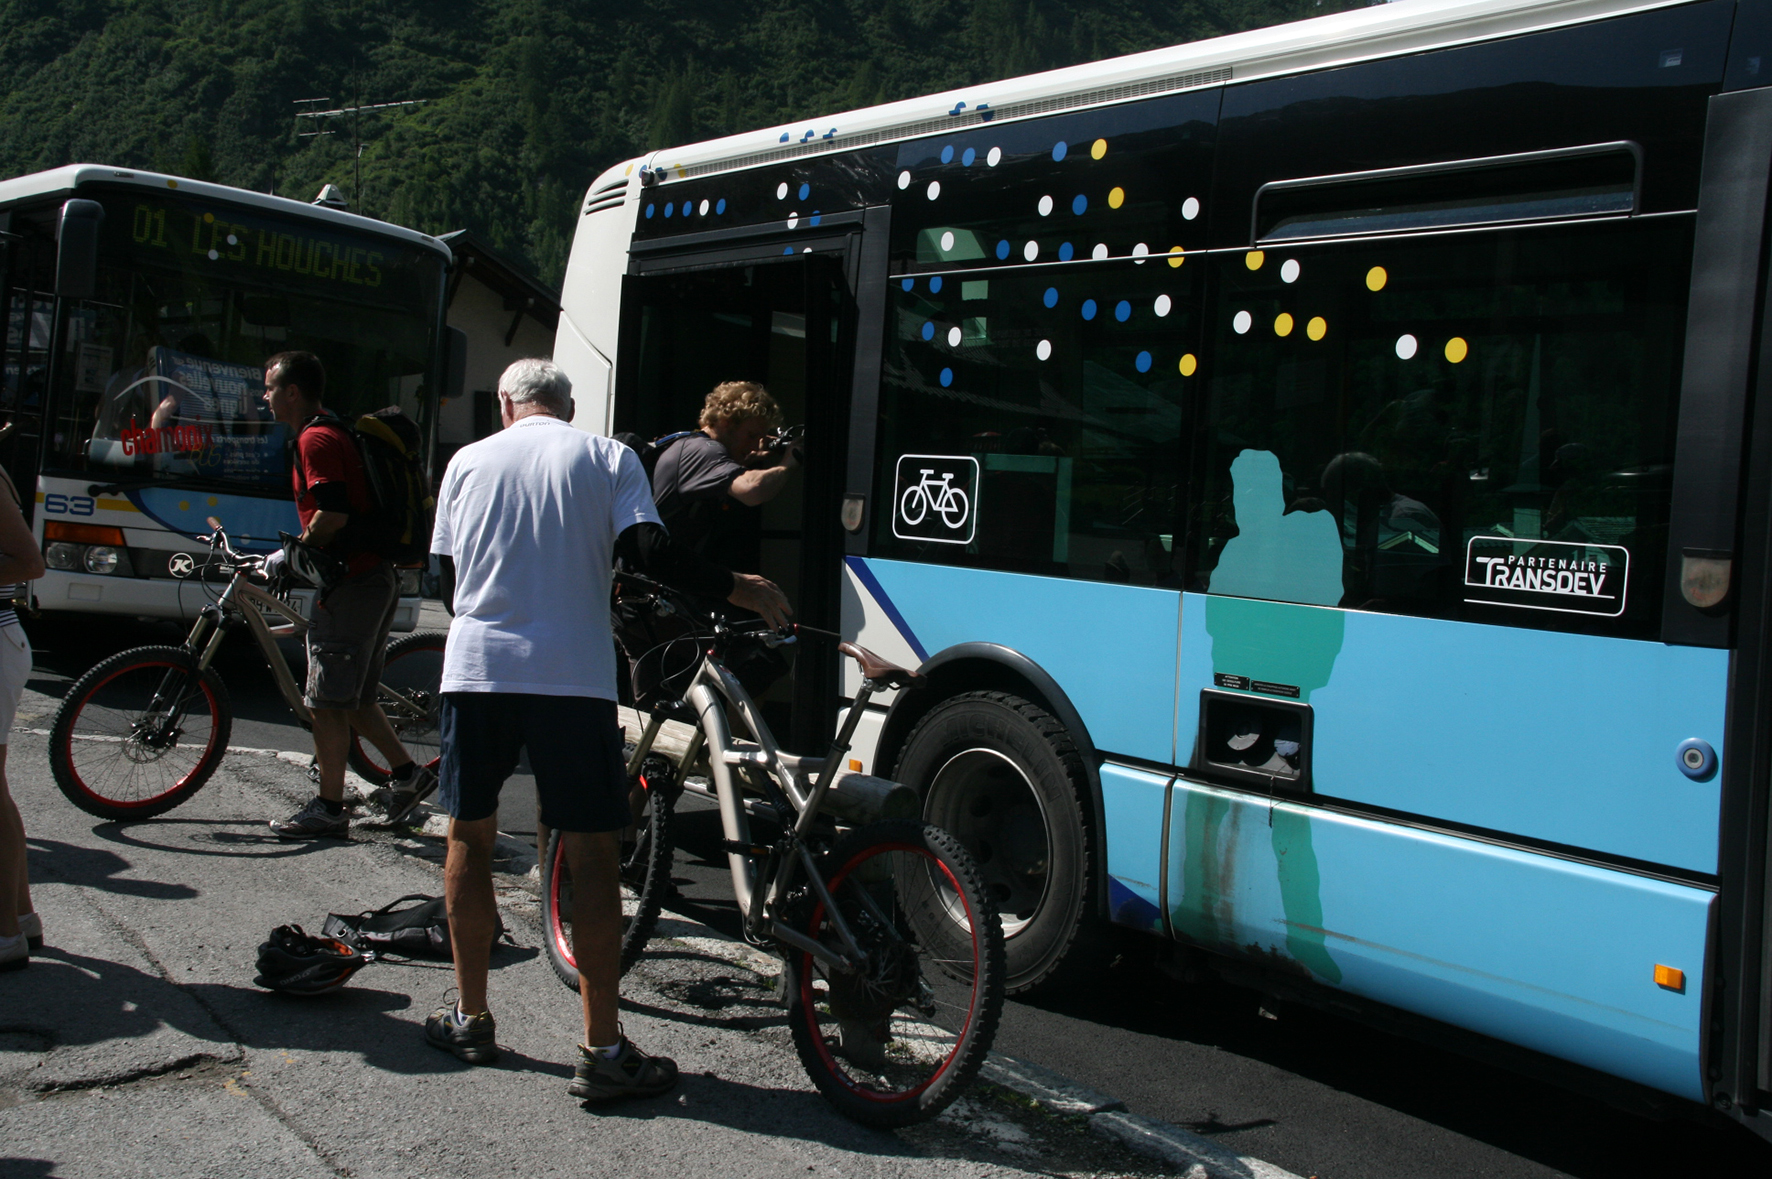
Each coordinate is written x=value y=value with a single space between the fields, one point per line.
x=530 y=516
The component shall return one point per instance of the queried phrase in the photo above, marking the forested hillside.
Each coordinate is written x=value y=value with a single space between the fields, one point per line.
x=525 y=101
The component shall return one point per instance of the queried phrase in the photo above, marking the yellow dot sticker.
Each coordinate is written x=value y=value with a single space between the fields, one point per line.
x=1175 y=258
x=1253 y=259
x=212 y=501
x=1098 y=149
x=184 y=505
x=1116 y=198
x=1457 y=349
x=172 y=184
x=1375 y=278
x=1189 y=365
x=1282 y=324
x=1317 y=328
x=208 y=218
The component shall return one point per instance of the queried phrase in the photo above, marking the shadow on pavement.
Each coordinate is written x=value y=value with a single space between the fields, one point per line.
x=253 y=841
x=50 y=859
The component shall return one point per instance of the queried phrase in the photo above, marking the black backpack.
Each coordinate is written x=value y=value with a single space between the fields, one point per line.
x=391 y=448
x=650 y=452
x=419 y=931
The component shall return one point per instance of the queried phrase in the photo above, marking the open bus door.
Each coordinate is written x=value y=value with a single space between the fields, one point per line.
x=784 y=317
x=28 y=339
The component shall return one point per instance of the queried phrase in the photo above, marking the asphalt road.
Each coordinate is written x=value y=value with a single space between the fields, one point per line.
x=1308 y=1091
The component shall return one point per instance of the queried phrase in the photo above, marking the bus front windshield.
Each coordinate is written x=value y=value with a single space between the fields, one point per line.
x=164 y=369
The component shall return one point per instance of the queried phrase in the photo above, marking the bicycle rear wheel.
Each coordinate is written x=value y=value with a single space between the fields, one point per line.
x=895 y=1042
x=411 y=696
x=645 y=876
x=139 y=733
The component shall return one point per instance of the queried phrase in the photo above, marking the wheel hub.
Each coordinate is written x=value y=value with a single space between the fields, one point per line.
x=987 y=802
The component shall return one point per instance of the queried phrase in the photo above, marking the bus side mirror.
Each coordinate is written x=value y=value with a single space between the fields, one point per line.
x=76 y=254
x=455 y=380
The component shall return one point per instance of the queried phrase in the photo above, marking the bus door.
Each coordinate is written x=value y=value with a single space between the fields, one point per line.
x=27 y=328
x=783 y=317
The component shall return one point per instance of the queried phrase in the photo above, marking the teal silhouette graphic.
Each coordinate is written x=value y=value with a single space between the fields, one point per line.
x=1283 y=557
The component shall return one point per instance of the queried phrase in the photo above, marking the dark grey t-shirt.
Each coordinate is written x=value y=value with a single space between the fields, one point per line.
x=690 y=484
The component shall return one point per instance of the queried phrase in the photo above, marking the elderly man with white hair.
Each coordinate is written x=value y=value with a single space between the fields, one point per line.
x=529 y=522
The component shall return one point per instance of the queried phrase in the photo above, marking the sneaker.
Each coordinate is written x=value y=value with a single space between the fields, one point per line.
x=629 y=1073
x=313 y=821
x=475 y=1042
x=399 y=798
x=31 y=925
x=15 y=954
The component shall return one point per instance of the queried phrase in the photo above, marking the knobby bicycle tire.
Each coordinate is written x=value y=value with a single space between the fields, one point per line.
x=413 y=666
x=116 y=754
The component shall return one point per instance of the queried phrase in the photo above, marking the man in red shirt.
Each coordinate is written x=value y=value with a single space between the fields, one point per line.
x=348 y=634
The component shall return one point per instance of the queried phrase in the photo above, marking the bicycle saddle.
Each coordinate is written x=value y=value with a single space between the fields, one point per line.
x=875 y=668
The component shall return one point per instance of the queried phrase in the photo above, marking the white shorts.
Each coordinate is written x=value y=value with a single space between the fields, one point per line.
x=15 y=669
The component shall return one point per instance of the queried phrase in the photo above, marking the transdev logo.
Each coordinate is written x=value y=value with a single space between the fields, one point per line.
x=1570 y=578
x=935 y=498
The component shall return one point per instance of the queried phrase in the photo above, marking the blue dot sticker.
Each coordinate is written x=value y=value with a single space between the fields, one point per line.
x=1143 y=361
x=649 y=209
x=668 y=207
x=935 y=284
x=947 y=154
x=815 y=218
x=928 y=329
x=805 y=191
x=1002 y=249
x=907 y=284
x=1088 y=308
x=1122 y=311
x=790 y=250
x=947 y=377
x=1051 y=299
x=1079 y=204
x=721 y=207
x=1058 y=150
x=967 y=156
x=1065 y=252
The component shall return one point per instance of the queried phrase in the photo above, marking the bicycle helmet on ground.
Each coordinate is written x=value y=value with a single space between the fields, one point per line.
x=301 y=964
x=311 y=563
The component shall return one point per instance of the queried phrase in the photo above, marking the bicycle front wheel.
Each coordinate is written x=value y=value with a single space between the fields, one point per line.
x=645 y=876
x=139 y=733
x=895 y=1041
x=410 y=695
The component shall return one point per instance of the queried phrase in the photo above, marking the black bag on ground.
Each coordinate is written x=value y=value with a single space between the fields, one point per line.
x=421 y=930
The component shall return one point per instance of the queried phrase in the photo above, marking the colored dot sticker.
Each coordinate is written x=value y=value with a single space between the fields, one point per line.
x=1142 y=362
x=1088 y=308
x=928 y=329
x=1376 y=278
x=1045 y=206
x=649 y=210
x=953 y=337
x=1190 y=208
x=704 y=209
x=1079 y=204
x=907 y=283
x=1242 y=322
x=789 y=250
x=904 y=181
x=1406 y=346
x=234 y=241
x=1003 y=249
x=1098 y=149
x=184 y=505
x=793 y=219
x=1176 y=257
x=1031 y=251
x=1162 y=306
x=211 y=501
x=214 y=255
x=947 y=240
x=1253 y=259
x=934 y=189
x=669 y=205
x=814 y=219
x=1317 y=328
x=1457 y=349
x=1141 y=252
x=947 y=377
x=1051 y=297
x=967 y=156
x=781 y=190
x=1099 y=252
x=805 y=191
x=1065 y=250
x=993 y=157
x=947 y=154
x=935 y=284
x=1122 y=311
x=1043 y=349
x=1283 y=324
x=720 y=206
x=1289 y=270
x=1116 y=197
x=1059 y=149
x=1188 y=366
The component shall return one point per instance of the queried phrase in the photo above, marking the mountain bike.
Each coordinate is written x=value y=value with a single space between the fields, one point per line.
x=893 y=951
x=143 y=730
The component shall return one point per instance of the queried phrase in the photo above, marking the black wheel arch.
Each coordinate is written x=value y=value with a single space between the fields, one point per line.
x=984 y=667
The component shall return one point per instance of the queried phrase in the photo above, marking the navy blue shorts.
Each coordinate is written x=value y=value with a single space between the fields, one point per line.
x=574 y=745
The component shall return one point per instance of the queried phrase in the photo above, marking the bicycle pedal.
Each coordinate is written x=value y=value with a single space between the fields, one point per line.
x=754 y=850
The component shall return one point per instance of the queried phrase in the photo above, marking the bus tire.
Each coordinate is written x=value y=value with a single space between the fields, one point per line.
x=1004 y=776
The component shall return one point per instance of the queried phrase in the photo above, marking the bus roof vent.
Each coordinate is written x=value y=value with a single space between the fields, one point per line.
x=1014 y=110
x=611 y=196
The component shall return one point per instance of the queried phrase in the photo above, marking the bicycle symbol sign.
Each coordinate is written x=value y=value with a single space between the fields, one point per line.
x=936 y=498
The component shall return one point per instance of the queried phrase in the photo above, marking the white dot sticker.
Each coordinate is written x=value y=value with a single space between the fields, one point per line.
x=953 y=337
x=704 y=208
x=1289 y=270
x=1046 y=206
x=215 y=255
x=1031 y=251
x=904 y=181
x=793 y=220
x=1242 y=323
x=781 y=190
x=1162 y=306
x=1406 y=346
x=934 y=189
x=1043 y=350
x=1099 y=252
x=232 y=240
x=1141 y=252
x=995 y=157
x=947 y=240
x=1190 y=209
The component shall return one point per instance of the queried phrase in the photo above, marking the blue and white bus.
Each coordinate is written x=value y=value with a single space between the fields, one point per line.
x=1322 y=475
x=139 y=310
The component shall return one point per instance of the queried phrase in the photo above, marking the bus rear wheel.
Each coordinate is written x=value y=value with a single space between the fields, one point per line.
x=1003 y=775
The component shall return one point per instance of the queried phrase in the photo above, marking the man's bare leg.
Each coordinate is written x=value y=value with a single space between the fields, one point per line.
x=15 y=886
x=595 y=861
x=473 y=911
x=373 y=724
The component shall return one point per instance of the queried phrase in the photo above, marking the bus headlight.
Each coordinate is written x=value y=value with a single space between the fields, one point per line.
x=101 y=558
x=62 y=555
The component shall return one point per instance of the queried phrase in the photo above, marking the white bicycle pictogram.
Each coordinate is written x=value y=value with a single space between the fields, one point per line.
x=937 y=494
